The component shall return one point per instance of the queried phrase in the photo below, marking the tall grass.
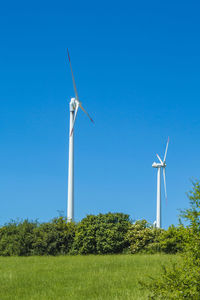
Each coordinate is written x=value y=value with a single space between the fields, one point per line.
x=78 y=277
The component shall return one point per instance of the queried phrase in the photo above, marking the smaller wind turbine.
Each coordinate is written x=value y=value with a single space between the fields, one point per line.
x=160 y=165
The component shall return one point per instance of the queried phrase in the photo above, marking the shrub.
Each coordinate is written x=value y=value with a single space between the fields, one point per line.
x=31 y=238
x=111 y=231
x=102 y=234
x=178 y=281
x=192 y=214
x=174 y=239
x=85 y=239
x=54 y=237
x=141 y=236
x=16 y=238
x=181 y=281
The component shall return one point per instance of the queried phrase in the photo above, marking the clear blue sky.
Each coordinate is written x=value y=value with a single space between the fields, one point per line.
x=137 y=70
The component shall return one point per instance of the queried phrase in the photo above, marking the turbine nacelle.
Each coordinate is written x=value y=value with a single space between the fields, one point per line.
x=154 y=165
x=159 y=165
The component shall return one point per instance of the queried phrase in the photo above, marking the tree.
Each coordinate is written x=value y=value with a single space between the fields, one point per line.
x=181 y=281
x=141 y=236
x=173 y=240
x=16 y=238
x=192 y=214
x=54 y=238
x=102 y=234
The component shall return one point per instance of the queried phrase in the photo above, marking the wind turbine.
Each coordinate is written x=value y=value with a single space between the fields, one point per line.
x=160 y=165
x=73 y=107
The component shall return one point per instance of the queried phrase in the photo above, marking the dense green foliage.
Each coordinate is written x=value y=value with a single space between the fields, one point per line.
x=143 y=237
x=192 y=214
x=16 y=238
x=171 y=241
x=31 y=238
x=182 y=281
x=91 y=277
x=54 y=238
x=102 y=234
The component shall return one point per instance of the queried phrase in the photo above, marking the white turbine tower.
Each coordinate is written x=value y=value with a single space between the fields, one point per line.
x=160 y=165
x=73 y=106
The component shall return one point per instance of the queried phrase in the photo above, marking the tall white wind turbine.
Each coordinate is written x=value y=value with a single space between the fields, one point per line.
x=73 y=107
x=160 y=165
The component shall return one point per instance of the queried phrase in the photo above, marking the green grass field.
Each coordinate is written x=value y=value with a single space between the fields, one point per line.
x=78 y=277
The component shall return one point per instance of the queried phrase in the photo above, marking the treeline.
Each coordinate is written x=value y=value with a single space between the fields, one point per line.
x=102 y=234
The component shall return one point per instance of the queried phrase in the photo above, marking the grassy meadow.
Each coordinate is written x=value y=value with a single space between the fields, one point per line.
x=78 y=277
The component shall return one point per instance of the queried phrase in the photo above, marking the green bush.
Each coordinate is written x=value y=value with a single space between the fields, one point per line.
x=54 y=238
x=141 y=236
x=111 y=231
x=181 y=281
x=85 y=239
x=192 y=214
x=31 y=238
x=174 y=239
x=16 y=238
x=102 y=234
x=178 y=281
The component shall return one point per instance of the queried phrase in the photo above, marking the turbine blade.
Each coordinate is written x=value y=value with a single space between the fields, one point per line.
x=86 y=112
x=164 y=178
x=159 y=158
x=75 y=114
x=166 y=150
x=74 y=84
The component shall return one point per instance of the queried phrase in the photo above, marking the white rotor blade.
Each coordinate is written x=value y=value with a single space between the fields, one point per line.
x=164 y=177
x=159 y=158
x=74 y=84
x=166 y=150
x=85 y=112
x=75 y=114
